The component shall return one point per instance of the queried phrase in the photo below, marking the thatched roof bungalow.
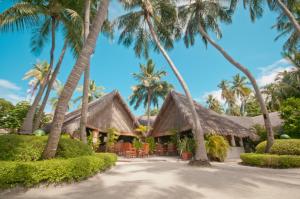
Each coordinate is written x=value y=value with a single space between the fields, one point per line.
x=175 y=114
x=109 y=111
x=249 y=122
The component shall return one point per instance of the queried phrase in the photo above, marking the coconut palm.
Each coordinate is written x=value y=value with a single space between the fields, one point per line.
x=147 y=24
x=214 y=104
x=73 y=79
x=150 y=88
x=241 y=91
x=229 y=97
x=94 y=92
x=43 y=17
x=38 y=75
x=286 y=29
x=272 y=96
x=201 y=16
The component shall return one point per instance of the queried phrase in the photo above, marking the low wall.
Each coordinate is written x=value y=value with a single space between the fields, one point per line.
x=234 y=152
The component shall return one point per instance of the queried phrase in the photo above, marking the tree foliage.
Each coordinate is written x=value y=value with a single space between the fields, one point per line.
x=290 y=113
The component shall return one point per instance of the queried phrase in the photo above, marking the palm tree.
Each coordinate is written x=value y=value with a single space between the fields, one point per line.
x=229 y=97
x=45 y=15
x=200 y=16
x=53 y=101
x=37 y=75
x=73 y=79
x=214 y=104
x=272 y=98
x=154 y=19
x=86 y=81
x=150 y=88
x=51 y=82
x=94 y=92
x=241 y=91
x=286 y=28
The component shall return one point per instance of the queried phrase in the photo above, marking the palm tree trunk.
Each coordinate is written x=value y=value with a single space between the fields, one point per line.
x=73 y=79
x=290 y=15
x=49 y=87
x=270 y=134
x=200 y=156
x=27 y=125
x=148 y=111
x=86 y=81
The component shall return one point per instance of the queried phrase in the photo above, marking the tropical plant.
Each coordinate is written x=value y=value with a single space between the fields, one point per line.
x=252 y=107
x=242 y=92
x=95 y=92
x=272 y=96
x=290 y=113
x=229 y=97
x=214 y=104
x=112 y=138
x=43 y=17
x=217 y=147
x=73 y=79
x=150 y=88
x=37 y=76
x=143 y=129
x=151 y=142
x=199 y=17
x=137 y=143
x=151 y=23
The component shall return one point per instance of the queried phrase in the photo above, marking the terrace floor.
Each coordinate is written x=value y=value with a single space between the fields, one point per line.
x=161 y=177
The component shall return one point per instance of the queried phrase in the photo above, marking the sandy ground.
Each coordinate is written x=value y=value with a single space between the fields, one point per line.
x=155 y=178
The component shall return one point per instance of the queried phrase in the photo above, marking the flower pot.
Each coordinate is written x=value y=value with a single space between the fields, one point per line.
x=186 y=155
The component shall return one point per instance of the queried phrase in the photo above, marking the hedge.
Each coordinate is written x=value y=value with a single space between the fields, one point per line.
x=30 y=148
x=281 y=147
x=57 y=170
x=270 y=160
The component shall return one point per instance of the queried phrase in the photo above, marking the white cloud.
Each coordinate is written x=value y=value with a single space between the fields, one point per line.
x=270 y=72
x=10 y=91
x=5 y=84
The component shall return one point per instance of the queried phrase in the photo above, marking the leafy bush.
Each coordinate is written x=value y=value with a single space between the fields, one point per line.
x=269 y=160
x=151 y=142
x=281 y=147
x=30 y=148
x=290 y=113
x=137 y=143
x=261 y=132
x=216 y=147
x=53 y=171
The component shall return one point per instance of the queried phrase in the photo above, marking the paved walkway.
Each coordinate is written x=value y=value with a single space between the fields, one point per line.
x=156 y=178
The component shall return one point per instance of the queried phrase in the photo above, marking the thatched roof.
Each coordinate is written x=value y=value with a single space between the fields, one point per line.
x=109 y=111
x=143 y=120
x=249 y=122
x=175 y=114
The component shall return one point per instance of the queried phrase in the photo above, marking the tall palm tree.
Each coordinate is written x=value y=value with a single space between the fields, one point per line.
x=37 y=75
x=73 y=79
x=229 y=97
x=200 y=16
x=241 y=91
x=94 y=92
x=150 y=88
x=149 y=22
x=214 y=104
x=86 y=81
x=286 y=28
x=51 y=82
x=272 y=98
x=42 y=14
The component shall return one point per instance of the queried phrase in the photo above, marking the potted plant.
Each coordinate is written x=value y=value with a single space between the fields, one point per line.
x=138 y=145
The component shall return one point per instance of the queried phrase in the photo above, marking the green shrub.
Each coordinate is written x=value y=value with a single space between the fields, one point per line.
x=269 y=160
x=151 y=142
x=216 y=147
x=30 y=148
x=281 y=147
x=53 y=171
x=290 y=113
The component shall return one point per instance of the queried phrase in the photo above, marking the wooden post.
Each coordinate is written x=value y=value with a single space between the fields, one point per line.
x=232 y=141
x=241 y=142
x=95 y=137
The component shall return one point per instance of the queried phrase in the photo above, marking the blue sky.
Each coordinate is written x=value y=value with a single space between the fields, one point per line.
x=252 y=44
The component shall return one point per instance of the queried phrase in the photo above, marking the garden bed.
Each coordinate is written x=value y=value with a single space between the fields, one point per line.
x=28 y=174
